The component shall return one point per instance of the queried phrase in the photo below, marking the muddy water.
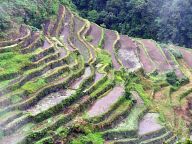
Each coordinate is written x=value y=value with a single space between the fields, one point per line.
x=77 y=83
x=149 y=123
x=50 y=101
x=104 y=104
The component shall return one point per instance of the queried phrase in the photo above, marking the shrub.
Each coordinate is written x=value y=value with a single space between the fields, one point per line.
x=93 y=138
x=172 y=79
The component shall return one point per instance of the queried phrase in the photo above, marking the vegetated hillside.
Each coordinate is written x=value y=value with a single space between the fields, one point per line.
x=30 y=12
x=162 y=20
x=75 y=82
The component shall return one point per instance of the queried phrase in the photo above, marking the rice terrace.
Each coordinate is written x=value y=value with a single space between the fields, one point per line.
x=75 y=82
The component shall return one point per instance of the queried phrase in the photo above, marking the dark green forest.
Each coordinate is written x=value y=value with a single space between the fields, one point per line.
x=162 y=20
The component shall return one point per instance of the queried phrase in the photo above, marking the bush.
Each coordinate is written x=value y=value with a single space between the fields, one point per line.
x=93 y=138
x=172 y=79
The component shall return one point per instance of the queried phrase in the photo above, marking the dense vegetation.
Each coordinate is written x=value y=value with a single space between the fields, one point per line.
x=30 y=12
x=165 y=21
x=162 y=20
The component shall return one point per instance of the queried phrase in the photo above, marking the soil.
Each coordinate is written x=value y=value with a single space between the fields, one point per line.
x=95 y=33
x=46 y=44
x=156 y=55
x=110 y=37
x=149 y=123
x=78 y=81
x=172 y=63
x=103 y=104
x=50 y=101
x=66 y=29
x=187 y=56
x=127 y=53
x=148 y=66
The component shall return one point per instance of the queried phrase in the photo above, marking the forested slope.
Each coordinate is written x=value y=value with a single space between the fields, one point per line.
x=161 y=20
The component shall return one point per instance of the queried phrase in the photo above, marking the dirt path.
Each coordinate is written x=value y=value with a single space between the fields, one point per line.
x=103 y=104
x=110 y=38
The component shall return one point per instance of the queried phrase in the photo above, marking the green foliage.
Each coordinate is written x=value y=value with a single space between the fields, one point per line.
x=33 y=86
x=176 y=53
x=104 y=58
x=89 y=38
x=162 y=20
x=133 y=83
x=15 y=99
x=93 y=15
x=172 y=79
x=12 y=62
x=93 y=138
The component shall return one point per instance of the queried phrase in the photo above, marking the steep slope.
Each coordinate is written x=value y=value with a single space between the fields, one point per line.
x=75 y=82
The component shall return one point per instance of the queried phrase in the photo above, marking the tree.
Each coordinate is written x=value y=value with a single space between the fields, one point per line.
x=93 y=15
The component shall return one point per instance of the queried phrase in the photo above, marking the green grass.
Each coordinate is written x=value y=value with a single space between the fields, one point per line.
x=104 y=58
x=33 y=86
x=132 y=121
x=15 y=99
x=92 y=138
x=89 y=38
x=12 y=62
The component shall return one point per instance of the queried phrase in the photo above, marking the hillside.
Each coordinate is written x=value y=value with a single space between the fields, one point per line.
x=76 y=82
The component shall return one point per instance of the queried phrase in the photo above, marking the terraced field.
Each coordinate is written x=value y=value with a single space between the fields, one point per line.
x=75 y=82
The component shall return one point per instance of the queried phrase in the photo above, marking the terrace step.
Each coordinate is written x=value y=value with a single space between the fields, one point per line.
x=124 y=141
x=37 y=42
x=158 y=140
x=16 y=124
x=42 y=53
x=116 y=116
x=94 y=33
x=33 y=73
x=75 y=38
x=153 y=134
x=103 y=105
x=71 y=110
x=172 y=140
x=46 y=59
x=66 y=30
x=111 y=38
x=127 y=53
x=22 y=37
x=8 y=117
x=18 y=136
x=128 y=128
x=58 y=23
